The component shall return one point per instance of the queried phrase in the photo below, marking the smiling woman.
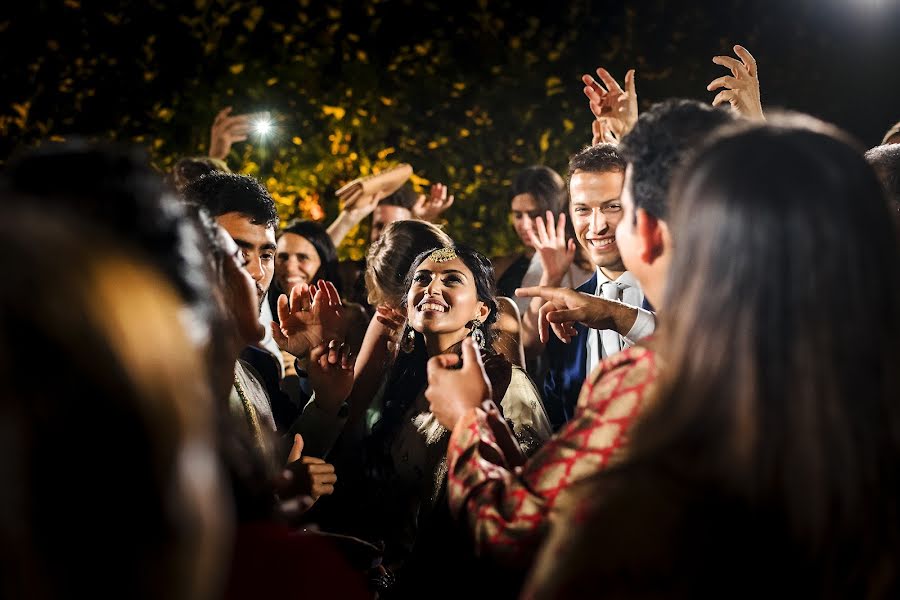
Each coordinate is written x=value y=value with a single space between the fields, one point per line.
x=305 y=254
x=444 y=302
x=450 y=296
x=392 y=460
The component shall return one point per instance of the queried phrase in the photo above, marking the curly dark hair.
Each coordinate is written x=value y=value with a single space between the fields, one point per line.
x=660 y=141
x=602 y=158
x=886 y=162
x=221 y=193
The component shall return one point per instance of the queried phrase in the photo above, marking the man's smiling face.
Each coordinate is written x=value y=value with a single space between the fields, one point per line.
x=596 y=210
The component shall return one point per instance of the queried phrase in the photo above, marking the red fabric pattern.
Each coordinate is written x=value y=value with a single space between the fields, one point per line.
x=508 y=510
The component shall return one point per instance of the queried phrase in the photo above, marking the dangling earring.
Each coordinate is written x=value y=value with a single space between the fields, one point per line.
x=477 y=334
x=408 y=339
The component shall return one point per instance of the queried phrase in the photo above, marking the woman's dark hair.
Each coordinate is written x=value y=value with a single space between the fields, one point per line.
x=773 y=280
x=316 y=235
x=782 y=346
x=546 y=187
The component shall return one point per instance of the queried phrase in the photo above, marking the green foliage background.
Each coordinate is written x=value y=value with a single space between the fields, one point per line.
x=466 y=92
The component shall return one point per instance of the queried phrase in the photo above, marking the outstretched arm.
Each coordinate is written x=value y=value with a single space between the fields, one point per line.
x=562 y=307
x=356 y=208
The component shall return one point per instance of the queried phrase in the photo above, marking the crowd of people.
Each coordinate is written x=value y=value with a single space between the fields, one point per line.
x=685 y=384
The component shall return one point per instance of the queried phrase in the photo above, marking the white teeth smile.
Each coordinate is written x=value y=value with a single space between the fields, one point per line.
x=432 y=306
x=604 y=243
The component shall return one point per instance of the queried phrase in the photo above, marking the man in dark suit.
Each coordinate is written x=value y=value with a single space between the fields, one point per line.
x=596 y=175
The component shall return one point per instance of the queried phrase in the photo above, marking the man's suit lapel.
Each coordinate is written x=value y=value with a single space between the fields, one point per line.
x=580 y=358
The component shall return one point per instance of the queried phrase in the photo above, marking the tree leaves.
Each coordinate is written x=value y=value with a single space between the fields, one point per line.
x=467 y=92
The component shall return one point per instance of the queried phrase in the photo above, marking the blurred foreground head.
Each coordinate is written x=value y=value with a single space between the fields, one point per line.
x=106 y=423
x=114 y=188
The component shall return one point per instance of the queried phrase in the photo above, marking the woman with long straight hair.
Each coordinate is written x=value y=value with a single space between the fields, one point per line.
x=769 y=464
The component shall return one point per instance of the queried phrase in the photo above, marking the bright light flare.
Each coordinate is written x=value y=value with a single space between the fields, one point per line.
x=262 y=127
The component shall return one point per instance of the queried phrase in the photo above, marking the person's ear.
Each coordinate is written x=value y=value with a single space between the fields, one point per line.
x=484 y=311
x=653 y=235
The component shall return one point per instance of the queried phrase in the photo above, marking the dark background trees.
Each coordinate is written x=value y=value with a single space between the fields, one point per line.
x=467 y=92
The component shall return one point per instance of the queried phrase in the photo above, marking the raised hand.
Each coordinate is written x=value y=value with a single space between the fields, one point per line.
x=452 y=392
x=356 y=207
x=303 y=481
x=330 y=371
x=614 y=107
x=310 y=316
x=555 y=252
x=601 y=133
x=741 y=87
x=429 y=208
x=360 y=205
x=226 y=130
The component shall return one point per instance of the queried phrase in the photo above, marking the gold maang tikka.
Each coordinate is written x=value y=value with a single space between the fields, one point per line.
x=442 y=255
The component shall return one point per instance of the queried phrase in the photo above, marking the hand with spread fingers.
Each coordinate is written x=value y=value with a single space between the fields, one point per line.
x=226 y=130
x=564 y=307
x=330 y=371
x=614 y=107
x=555 y=251
x=312 y=315
x=454 y=391
x=304 y=480
x=741 y=87
x=430 y=207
